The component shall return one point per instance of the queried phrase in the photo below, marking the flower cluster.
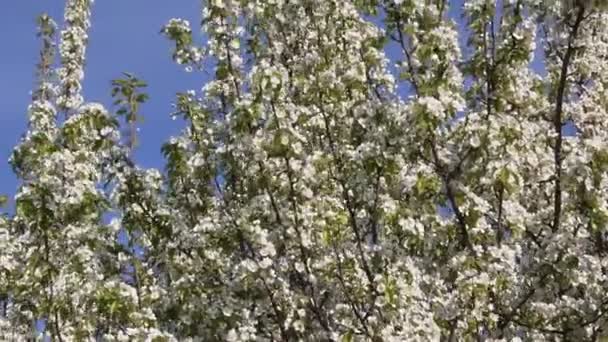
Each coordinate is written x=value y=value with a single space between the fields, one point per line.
x=180 y=32
x=72 y=52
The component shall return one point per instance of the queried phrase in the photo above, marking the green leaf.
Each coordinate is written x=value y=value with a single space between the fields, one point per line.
x=141 y=98
x=221 y=72
x=235 y=43
x=473 y=217
x=348 y=336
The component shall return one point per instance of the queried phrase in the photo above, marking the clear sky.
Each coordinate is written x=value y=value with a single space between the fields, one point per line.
x=124 y=37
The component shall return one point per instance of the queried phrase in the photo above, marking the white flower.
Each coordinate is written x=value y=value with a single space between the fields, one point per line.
x=265 y=263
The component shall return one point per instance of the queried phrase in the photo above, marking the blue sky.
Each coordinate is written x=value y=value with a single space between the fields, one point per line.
x=124 y=37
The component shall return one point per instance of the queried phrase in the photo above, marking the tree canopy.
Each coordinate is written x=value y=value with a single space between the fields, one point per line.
x=355 y=170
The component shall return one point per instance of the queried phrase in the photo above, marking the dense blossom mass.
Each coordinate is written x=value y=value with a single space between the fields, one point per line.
x=355 y=170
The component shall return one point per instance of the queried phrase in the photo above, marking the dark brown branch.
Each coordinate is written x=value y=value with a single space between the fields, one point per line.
x=557 y=119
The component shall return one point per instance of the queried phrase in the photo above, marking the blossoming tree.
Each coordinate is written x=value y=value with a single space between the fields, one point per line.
x=356 y=170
